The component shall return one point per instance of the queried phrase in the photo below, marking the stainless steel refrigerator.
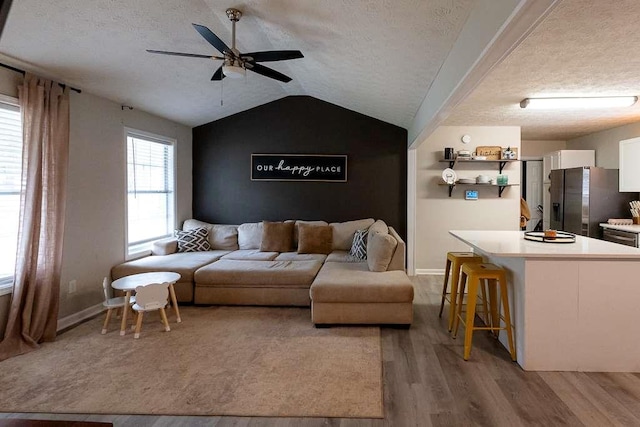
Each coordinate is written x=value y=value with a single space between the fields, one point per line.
x=582 y=198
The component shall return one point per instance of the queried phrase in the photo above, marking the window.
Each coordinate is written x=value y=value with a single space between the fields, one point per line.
x=10 y=184
x=150 y=190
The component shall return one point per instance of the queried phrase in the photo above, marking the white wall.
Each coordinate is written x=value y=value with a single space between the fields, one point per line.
x=605 y=143
x=436 y=213
x=538 y=148
x=95 y=220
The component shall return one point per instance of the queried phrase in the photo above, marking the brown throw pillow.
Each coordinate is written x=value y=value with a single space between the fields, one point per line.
x=315 y=239
x=276 y=236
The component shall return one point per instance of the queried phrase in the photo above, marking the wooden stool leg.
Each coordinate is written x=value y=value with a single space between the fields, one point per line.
x=471 y=312
x=138 y=325
x=455 y=282
x=164 y=319
x=106 y=321
x=494 y=306
x=444 y=287
x=507 y=316
x=460 y=298
x=485 y=310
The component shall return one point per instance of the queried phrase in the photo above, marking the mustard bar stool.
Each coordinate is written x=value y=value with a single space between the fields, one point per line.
x=455 y=260
x=472 y=274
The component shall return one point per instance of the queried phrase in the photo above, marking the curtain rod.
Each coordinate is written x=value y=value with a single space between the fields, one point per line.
x=18 y=70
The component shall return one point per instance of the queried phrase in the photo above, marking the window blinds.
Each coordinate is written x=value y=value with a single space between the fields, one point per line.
x=10 y=186
x=150 y=190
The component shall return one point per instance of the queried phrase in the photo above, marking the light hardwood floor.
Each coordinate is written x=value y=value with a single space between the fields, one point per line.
x=426 y=382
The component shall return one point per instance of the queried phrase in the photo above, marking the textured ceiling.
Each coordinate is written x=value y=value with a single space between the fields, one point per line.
x=374 y=57
x=584 y=47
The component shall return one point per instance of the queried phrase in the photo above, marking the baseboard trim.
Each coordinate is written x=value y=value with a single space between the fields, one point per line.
x=431 y=271
x=79 y=317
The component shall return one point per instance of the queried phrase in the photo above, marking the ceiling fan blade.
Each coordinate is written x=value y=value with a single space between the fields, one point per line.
x=218 y=75
x=212 y=38
x=268 y=72
x=192 y=55
x=273 y=55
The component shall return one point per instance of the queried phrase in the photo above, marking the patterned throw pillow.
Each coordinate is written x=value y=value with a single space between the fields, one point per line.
x=359 y=245
x=194 y=240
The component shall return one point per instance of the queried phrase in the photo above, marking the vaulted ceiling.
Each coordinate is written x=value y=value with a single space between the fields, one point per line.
x=374 y=57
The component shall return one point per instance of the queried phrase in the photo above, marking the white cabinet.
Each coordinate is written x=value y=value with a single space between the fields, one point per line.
x=565 y=159
x=629 y=162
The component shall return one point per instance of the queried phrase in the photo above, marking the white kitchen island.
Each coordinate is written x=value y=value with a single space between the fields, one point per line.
x=575 y=306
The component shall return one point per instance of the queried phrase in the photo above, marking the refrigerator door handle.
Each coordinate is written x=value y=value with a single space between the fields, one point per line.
x=556 y=211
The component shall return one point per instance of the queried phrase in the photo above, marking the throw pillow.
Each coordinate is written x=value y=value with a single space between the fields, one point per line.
x=193 y=240
x=297 y=224
x=343 y=232
x=380 y=250
x=314 y=239
x=359 y=247
x=221 y=236
x=250 y=235
x=276 y=236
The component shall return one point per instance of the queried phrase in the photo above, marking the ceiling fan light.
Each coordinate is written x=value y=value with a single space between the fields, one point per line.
x=578 y=102
x=233 y=71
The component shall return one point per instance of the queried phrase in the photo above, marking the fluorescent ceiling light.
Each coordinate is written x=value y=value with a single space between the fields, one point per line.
x=579 y=102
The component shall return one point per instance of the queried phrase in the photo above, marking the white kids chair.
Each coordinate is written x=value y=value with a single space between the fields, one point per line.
x=150 y=298
x=111 y=303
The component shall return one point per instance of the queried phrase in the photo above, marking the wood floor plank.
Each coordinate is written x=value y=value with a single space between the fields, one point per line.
x=572 y=396
x=621 y=386
x=603 y=401
x=534 y=401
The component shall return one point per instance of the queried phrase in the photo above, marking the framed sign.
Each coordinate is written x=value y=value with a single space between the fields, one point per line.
x=299 y=167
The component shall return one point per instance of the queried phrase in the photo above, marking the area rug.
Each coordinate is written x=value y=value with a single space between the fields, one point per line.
x=243 y=361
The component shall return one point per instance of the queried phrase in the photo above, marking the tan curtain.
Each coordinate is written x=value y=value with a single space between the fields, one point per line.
x=33 y=315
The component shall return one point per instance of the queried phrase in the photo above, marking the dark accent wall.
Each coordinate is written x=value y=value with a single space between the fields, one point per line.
x=376 y=184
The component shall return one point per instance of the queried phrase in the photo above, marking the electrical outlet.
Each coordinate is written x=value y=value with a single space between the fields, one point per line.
x=73 y=286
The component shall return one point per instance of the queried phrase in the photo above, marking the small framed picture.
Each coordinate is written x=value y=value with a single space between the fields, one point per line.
x=471 y=194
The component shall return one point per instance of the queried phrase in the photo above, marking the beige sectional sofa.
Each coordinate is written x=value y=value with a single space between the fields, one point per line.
x=239 y=269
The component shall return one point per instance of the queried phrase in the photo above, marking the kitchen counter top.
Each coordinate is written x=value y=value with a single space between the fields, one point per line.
x=512 y=244
x=635 y=228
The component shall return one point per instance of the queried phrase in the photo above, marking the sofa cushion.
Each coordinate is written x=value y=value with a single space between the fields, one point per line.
x=379 y=227
x=251 y=255
x=293 y=274
x=314 y=239
x=343 y=232
x=297 y=224
x=380 y=249
x=276 y=236
x=221 y=236
x=359 y=245
x=250 y=235
x=342 y=256
x=195 y=240
x=295 y=256
x=354 y=283
x=165 y=246
x=184 y=263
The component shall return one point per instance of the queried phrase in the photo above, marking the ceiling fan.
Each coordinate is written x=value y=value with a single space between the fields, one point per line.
x=235 y=63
